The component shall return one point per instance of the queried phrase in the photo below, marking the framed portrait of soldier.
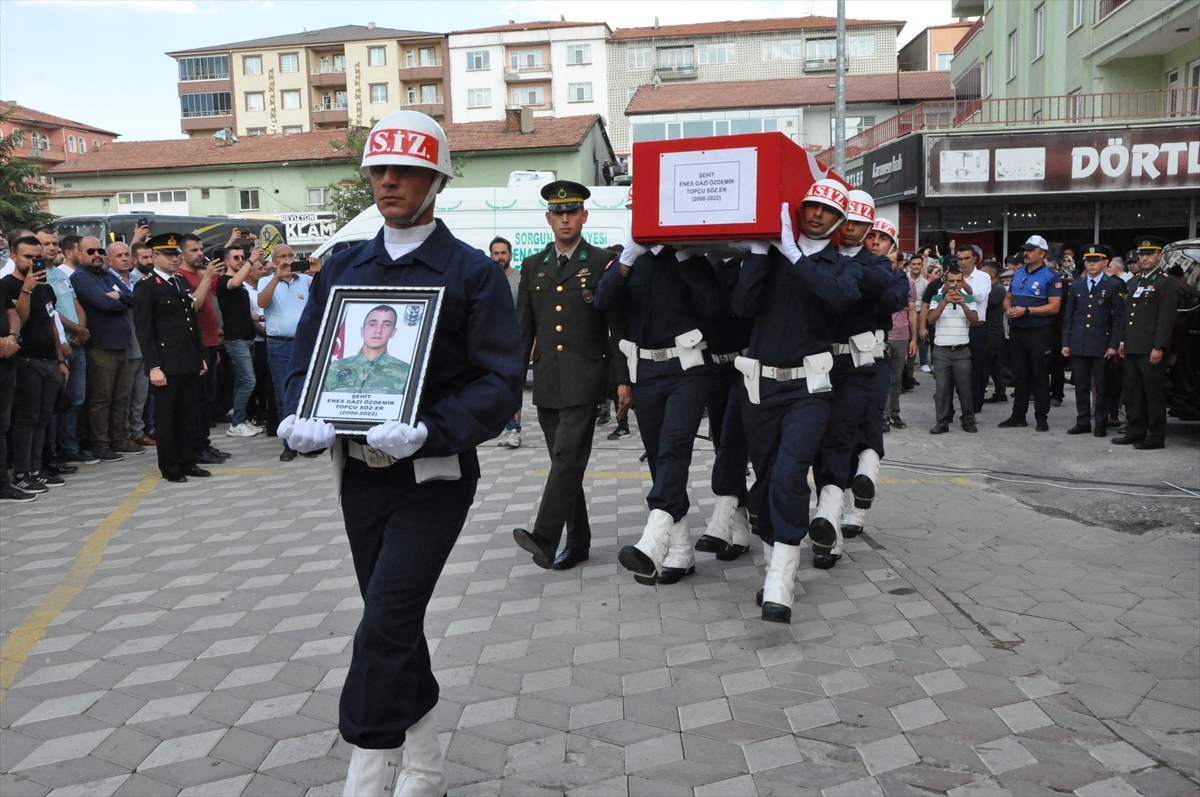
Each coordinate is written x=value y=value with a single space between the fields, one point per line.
x=368 y=366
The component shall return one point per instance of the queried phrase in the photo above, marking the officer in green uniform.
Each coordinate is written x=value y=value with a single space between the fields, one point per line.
x=372 y=370
x=572 y=366
x=1151 y=304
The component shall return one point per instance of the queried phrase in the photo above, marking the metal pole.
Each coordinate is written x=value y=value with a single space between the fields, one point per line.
x=839 y=108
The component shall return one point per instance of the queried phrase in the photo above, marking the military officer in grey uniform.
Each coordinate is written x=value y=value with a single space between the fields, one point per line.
x=1150 y=308
x=572 y=366
x=372 y=370
x=1090 y=336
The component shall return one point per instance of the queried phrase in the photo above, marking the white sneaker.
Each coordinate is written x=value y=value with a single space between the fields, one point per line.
x=512 y=438
x=242 y=430
x=926 y=369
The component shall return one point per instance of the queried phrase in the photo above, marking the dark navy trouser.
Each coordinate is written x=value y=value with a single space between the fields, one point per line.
x=783 y=433
x=401 y=534
x=728 y=435
x=669 y=403
x=1083 y=371
x=851 y=393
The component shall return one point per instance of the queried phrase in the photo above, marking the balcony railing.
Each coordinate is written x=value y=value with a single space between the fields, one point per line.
x=422 y=62
x=330 y=106
x=679 y=72
x=548 y=105
x=328 y=70
x=819 y=64
x=197 y=78
x=1051 y=111
x=970 y=34
x=199 y=114
x=423 y=101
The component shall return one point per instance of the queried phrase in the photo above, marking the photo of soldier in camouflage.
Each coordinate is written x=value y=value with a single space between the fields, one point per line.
x=372 y=369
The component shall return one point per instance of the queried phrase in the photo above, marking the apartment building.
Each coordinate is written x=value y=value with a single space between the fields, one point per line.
x=555 y=68
x=932 y=49
x=749 y=50
x=315 y=80
x=49 y=140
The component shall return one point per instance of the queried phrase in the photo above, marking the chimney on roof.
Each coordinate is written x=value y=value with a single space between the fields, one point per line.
x=370 y=26
x=562 y=17
x=512 y=120
x=656 y=22
x=512 y=22
x=526 y=120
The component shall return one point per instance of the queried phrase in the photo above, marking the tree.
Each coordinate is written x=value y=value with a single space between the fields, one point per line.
x=353 y=195
x=21 y=193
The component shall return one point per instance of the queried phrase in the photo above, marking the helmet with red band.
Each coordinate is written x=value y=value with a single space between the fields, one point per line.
x=410 y=138
x=832 y=194
x=860 y=206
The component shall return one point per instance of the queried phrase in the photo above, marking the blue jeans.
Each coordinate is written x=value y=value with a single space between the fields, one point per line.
x=241 y=358
x=279 y=354
x=68 y=419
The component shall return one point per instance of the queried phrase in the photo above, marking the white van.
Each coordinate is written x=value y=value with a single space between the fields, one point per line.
x=477 y=215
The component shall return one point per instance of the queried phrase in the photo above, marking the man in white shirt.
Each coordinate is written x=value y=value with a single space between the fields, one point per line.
x=969 y=259
x=952 y=311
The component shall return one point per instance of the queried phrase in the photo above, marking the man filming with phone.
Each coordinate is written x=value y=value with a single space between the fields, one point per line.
x=283 y=299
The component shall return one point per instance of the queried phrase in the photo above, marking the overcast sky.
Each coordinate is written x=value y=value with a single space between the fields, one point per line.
x=103 y=62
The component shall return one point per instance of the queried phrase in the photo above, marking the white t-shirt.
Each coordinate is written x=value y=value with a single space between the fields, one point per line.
x=952 y=327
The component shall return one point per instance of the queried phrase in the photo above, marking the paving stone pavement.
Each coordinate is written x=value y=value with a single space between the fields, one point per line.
x=193 y=639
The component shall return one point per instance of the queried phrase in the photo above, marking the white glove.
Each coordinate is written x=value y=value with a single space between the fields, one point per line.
x=305 y=435
x=633 y=250
x=753 y=247
x=398 y=439
x=787 y=243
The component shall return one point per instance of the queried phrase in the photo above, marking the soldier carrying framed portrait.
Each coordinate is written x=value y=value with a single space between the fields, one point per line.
x=369 y=363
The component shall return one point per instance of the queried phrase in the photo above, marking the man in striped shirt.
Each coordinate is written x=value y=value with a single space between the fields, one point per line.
x=952 y=313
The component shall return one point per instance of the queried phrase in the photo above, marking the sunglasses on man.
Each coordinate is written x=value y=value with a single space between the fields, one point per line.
x=94 y=251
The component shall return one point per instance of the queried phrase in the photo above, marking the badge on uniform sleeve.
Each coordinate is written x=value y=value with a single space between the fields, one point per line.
x=583 y=256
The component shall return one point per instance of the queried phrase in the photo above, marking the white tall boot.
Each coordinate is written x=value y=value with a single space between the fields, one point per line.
x=680 y=560
x=780 y=583
x=646 y=557
x=423 y=774
x=719 y=534
x=823 y=529
x=768 y=550
x=864 y=481
x=853 y=518
x=372 y=773
x=742 y=536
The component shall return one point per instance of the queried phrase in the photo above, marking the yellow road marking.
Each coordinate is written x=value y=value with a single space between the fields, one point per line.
x=21 y=642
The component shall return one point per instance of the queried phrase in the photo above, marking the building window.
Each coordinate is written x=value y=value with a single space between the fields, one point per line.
x=204 y=193
x=215 y=103
x=783 y=50
x=429 y=93
x=290 y=100
x=854 y=126
x=318 y=197
x=860 y=45
x=332 y=63
x=579 y=92
x=721 y=127
x=1039 y=32
x=71 y=144
x=208 y=67
x=716 y=53
x=376 y=56
x=427 y=56
x=83 y=141
x=254 y=101
x=479 y=61
x=943 y=61
x=631 y=92
x=1012 y=55
x=1106 y=7
x=256 y=131
x=378 y=93
x=525 y=59
x=252 y=65
x=579 y=53
x=248 y=199
x=822 y=50
x=987 y=75
x=677 y=57
x=292 y=130
x=639 y=58
x=1076 y=13
x=155 y=197
x=479 y=98
x=332 y=101
x=289 y=62
x=528 y=95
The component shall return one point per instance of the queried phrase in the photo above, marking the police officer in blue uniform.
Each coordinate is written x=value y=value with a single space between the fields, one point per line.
x=407 y=490
x=792 y=291
x=1034 y=298
x=854 y=373
x=1091 y=336
x=665 y=356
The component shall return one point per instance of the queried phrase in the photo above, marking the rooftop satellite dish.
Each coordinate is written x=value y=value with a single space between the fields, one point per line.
x=233 y=139
x=220 y=135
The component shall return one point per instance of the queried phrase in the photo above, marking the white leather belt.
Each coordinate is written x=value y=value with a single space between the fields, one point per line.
x=840 y=348
x=425 y=469
x=783 y=374
x=662 y=355
x=721 y=359
x=372 y=456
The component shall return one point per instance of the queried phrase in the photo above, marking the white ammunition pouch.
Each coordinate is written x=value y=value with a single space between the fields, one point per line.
x=751 y=374
x=862 y=349
x=691 y=345
x=816 y=371
x=880 y=344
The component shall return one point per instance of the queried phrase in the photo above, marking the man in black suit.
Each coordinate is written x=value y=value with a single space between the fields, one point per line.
x=173 y=356
x=571 y=369
x=1090 y=337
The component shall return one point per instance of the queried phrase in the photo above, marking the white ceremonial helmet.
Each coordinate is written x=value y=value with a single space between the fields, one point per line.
x=860 y=206
x=887 y=228
x=410 y=138
x=831 y=193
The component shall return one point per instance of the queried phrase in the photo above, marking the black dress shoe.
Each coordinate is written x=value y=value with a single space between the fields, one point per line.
x=542 y=556
x=776 y=613
x=850 y=532
x=313 y=454
x=213 y=451
x=996 y=398
x=1056 y=402
x=1146 y=445
x=61 y=468
x=1080 y=428
x=205 y=458
x=864 y=491
x=199 y=473
x=672 y=575
x=638 y=563
x=1127 y=441
x=710 y=544
x=941 y=428
x=1042 y=426
x=732 y=552
x=970 y=427
x=288 y=455
x=1100 y=432
x=569 y=558
x=825 y=561
x=177 y=478
x=1012 y=423
x=758 y=597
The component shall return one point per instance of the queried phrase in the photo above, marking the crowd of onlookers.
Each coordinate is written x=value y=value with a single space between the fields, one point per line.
x=73 y=387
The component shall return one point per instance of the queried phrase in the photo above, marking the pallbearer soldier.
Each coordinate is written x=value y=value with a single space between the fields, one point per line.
x=406 y=492
x=1151 y=306
x=173 y=356
x=572 y=364
x=792 y=291
x=1091 y=335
